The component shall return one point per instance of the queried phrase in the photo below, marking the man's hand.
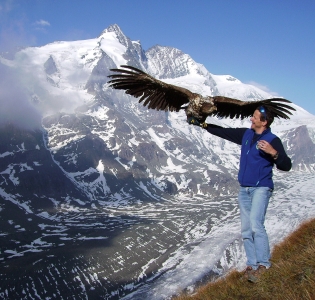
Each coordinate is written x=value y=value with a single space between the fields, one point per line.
x=267 y=148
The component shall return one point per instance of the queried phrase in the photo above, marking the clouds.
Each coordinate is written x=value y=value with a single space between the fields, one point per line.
x=42 y=25
x=15 y=106
x=13 y=27
x=17 y=30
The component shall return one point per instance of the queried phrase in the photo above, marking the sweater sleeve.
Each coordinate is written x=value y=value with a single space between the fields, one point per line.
x=283 y=162
x=234 y=135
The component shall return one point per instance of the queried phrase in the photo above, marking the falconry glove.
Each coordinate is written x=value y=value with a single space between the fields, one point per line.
x=194 y=121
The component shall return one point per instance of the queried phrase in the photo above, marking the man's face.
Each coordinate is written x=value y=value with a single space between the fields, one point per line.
x=257 y=125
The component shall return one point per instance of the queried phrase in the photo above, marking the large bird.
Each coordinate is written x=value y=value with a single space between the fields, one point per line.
x=159 y=95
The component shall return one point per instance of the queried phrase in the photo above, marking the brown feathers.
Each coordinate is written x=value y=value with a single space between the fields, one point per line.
x=156 y=94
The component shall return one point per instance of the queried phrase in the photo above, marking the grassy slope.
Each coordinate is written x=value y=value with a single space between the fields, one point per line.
x=292 y=275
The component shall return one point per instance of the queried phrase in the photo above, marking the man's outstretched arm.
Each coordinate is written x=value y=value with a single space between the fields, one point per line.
x=234 y=135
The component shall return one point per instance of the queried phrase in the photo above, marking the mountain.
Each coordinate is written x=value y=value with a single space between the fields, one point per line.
x=102 y=198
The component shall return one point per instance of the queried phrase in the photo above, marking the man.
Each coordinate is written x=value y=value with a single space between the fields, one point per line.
x=260 y=150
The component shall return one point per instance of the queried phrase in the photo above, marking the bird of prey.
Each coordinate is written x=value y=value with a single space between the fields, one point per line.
x=159 y=95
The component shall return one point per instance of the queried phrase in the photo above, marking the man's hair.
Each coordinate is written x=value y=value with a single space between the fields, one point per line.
x=265 y=115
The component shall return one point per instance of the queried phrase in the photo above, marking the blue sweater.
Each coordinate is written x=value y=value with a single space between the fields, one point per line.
x=255 y=165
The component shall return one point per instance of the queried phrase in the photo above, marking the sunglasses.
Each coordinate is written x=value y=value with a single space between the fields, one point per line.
x=263 y=112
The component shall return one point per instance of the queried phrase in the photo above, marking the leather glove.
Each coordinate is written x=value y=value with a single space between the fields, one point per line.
x=194 y=121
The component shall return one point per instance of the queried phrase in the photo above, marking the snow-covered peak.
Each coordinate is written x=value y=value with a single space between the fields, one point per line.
x=176 y=67
x=230 y=86
x=110 y=44
x=168 y=62
x=226 y=79
x=115 y=29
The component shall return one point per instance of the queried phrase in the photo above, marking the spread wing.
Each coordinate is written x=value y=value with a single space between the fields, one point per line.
x=160 y=95
x=156 y=94
x=232 y=108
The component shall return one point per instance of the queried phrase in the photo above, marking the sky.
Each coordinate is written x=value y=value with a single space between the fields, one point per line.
x=267 y=43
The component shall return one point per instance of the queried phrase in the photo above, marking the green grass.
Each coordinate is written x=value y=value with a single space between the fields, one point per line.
x=291 y=277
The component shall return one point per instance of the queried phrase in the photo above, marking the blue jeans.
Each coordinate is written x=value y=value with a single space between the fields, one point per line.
x=253 y=203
